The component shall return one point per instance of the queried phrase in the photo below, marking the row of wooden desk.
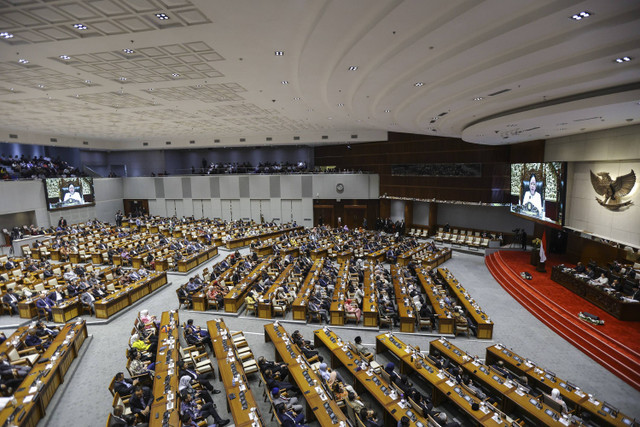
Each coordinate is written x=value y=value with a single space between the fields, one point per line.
x=246 y=240
x=413 y=363
x=110 y=305
x=299 y=306
x=39 y=386
x=485 y=325
x=235 y=297
x=602 y=412
x=166 y=403
x=241 y=402
x=319 y=406
x=618 y=308
x=444 y=316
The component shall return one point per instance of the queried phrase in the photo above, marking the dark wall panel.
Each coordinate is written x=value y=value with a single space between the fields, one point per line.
x=378 y=157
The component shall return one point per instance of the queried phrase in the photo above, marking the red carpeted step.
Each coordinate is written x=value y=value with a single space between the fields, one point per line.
x=619 y=359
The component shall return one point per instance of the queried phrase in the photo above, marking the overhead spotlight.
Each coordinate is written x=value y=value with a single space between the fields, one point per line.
x=418 y=84
x=123 y=79
x=162 y=16
x=623 y=59
x=581 y=15
x=297 y=98
x=387 y=111
x=23 y=61
x=284 y=82
x=279 y=53
x=128 y=51
x=341 y=105
x=65 y=57
x=478 y=98
x=80 y=27
x=353 y=68
x=88 y=82
x=6 y=35
x=175 y=75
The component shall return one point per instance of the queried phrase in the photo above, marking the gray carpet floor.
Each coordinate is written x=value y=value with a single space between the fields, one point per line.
x=84 y=400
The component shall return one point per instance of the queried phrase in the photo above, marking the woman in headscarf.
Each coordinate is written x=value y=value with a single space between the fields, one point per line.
x=185 y=386
x=389 y=370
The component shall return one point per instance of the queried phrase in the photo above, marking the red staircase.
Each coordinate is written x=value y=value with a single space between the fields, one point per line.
x=618 y=358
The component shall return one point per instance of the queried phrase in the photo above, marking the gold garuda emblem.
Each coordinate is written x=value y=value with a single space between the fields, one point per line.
x=613 y=191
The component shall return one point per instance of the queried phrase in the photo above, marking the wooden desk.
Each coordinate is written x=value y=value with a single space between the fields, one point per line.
x=445 y=319
x=546 y=381
x=617 y=308
x=299 y=306
x=63 y=349
x=165 y=383
x=485 y=325
x=442 y=388
x=67 y=310
x=108 y=306
x=233 y=377
x=304 y=377
x=336 y=309
x=501 y=387
x=235 y=297
x=369 y=301
x=364 y=379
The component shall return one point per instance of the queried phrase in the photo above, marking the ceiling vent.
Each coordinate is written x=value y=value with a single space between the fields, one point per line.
x=53 y=139
x=354 y=136
x=168 y=142
x=296 y=138
x=145 y=144
x=192 y=142
x=216 y=141
x=269 y=138
x=85 y=142
x=325 y=136
x=13 y=136
x=243 y=139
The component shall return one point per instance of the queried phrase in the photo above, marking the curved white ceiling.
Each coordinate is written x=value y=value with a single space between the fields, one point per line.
x=210 y=71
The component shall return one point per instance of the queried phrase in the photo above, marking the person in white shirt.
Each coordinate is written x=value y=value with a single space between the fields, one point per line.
x=71 y=196
x=532 y=196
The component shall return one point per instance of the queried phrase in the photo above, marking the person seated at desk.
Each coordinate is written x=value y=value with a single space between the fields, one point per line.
x=140 y=402
x=281 y=396
x=202 y=379
x=194 y=339
x=56 y=296
x=273 y=382
x=137 y=366
x=185 y=386
x=197 y=330
x=43 y=303
x=590 y=274
x=326 y=374
x=43 y=331
x=120 y=419
x=352 y=307
x=369 y=418
x=88 y=299
x=314 y=307
x=443 y=420
x=600 y=281
x=11 y=298
x=279 y=370
x=12 y=375
x=189 y=407
x=148 y=344
x=361 y=348
x=555 y=395
x=32 y=340
x=186 y=296
x=124 y=386
x=354 y=401
x=389 y=369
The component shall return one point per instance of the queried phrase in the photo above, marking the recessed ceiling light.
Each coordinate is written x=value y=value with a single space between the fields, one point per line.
x=284 y=82
x=65 y=57
x=123 y=79
x=353 y=68
x=623 y=59
x=41 y=86
x=418 y=84
x=88 y=82
x=581 y=15
x=128 y=51
x=297 y=98
x=387 y=111
x=175 y=75
x=80 y=27
x=330 y=118
x=341 y=105
x=6 y=35
x=162 y=16
x=23 y=61
x=198 y=86
x=478 y=98
x=279 y=53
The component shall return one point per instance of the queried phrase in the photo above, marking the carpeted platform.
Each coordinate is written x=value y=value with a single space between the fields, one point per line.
x=615 y=345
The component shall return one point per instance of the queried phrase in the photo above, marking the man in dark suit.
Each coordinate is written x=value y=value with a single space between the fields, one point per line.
x=44 y=304
x=119 y=419
x=62 y=223
x=140 y=402
x=12 y=299
x=124 y=386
